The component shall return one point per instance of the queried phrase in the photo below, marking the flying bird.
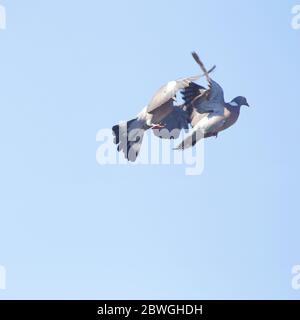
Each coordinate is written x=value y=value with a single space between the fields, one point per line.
x=208 y=112
x=204 y=109
x=129 y=135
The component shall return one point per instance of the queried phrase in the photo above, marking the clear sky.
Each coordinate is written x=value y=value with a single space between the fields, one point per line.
x=70 y=228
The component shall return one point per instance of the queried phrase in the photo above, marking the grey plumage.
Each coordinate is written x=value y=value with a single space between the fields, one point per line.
x=173 y=123
x=129 y=135
x=167 y=92
x=209 y=114
x=203 y=108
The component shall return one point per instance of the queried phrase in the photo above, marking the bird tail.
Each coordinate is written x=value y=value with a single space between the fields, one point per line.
x=128 y=136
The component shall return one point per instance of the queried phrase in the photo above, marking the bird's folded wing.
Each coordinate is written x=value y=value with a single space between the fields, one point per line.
x=168 y=92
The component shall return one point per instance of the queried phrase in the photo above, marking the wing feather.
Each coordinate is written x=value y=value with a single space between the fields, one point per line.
x=177 y=120
x=168 y=92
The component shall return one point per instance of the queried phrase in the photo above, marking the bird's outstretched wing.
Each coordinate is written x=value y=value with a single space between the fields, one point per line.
x=194 y=92
x=167 y=92
x=205 y=108
x=204 y=100
x=210 y=100
x=165 y=95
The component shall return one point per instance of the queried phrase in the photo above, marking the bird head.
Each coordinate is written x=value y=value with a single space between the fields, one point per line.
x=240 y=101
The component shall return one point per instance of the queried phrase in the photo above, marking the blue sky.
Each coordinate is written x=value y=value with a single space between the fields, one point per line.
x=70 y=228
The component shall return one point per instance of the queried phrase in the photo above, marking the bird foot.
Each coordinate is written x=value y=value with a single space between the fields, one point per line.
x=157 y=126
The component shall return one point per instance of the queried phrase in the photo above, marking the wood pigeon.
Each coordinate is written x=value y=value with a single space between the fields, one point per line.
x=129 y=135
x=203 y=108
x=208 y=112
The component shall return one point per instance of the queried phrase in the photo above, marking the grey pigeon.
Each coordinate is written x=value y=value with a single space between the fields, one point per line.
x=208 y=112
x=129 y=135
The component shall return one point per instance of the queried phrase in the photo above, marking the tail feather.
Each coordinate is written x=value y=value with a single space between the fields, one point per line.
x=116 y=130
x=129 y=137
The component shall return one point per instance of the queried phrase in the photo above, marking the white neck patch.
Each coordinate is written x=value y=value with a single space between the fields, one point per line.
x=233 y=104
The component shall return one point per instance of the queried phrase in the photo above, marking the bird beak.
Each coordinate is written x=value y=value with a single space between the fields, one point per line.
x=247 y=104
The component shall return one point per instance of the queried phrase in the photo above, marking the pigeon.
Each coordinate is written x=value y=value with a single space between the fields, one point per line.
x=128 y=135
x=204 y=109
x=208 y=112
